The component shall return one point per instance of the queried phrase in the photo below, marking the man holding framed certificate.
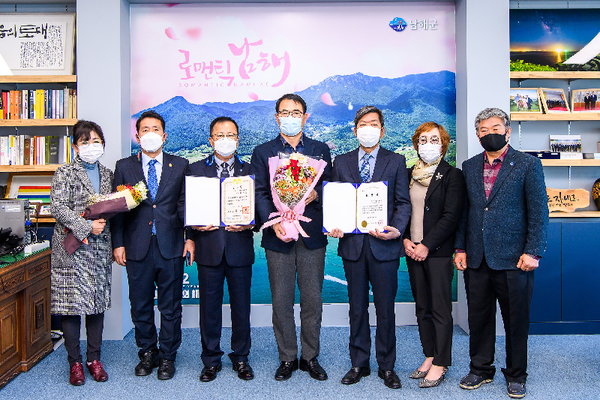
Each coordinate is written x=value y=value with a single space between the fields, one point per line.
x=224 y=252
x=371 y=255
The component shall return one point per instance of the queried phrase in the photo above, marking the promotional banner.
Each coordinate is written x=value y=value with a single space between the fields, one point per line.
x=193 y=63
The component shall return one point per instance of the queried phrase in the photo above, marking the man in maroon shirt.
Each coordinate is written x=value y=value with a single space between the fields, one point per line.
x=501 y=236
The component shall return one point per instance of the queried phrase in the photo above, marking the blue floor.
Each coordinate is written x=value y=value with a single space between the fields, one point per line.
x=560 y=367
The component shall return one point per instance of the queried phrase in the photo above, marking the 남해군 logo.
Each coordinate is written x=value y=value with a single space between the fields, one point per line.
x=398 y=24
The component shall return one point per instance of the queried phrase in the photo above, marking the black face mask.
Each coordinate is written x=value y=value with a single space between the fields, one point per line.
x=493 y=141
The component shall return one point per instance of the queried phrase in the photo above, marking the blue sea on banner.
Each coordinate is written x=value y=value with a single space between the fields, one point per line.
x=335 y=288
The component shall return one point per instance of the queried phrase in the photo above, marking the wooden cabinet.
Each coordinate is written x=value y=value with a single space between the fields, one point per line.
x=24 y=314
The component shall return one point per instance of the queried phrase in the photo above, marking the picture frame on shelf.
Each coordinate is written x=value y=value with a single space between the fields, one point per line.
x=585 y=100
x=525 y=100
x=554 y=100
x=37 y=43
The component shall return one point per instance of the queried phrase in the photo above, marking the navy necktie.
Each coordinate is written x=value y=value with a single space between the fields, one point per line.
x=225 y=170
x=152 y=185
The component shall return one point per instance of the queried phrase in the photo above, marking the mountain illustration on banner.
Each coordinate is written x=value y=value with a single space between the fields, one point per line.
x=406 y=102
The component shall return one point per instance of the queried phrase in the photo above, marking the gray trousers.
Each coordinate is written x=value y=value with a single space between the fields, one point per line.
x=308 y=266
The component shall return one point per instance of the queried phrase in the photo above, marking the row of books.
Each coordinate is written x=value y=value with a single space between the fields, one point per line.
x=35 y=150
x=38 y=104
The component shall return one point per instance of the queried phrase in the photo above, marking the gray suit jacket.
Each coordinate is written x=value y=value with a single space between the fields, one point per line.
x=80 y=282
x=512 y=221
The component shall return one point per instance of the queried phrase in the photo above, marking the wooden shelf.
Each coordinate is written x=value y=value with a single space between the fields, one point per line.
x=38 y=122
x=567 y=116
x=576 y=214
x=43 y=220
x=555 y=75
x=571 y=163
x=38 y=78
x=29 y=168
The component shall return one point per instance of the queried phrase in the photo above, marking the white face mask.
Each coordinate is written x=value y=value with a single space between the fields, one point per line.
x=90 y=153
x=290 y=126
x=429 y=152
x=151 y=142
x=225 y=147
x=368 y=136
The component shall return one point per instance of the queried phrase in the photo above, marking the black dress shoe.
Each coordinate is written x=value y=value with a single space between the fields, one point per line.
x=210 y=373
x=353 y=376
x=166 y=369
x=314 y=369
x=284 y=372
x=244 y=370
x=148 y=361
x=390 y=379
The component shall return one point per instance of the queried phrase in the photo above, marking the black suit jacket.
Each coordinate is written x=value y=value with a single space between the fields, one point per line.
x=211 y=247
x=133 y=229
x=390 y=167
x=444 y=203
x=259 y=167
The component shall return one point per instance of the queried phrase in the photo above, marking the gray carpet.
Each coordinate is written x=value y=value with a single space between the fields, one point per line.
x=560 y=367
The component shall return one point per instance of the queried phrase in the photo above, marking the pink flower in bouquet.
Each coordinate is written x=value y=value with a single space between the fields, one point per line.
x=106 y=206
x=291 y=182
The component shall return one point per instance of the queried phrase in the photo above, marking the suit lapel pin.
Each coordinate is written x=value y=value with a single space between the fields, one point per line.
x=438 y=176
x=512 y=163
x=170 y=165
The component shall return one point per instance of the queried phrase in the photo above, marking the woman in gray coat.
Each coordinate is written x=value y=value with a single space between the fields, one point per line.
x=81 y=281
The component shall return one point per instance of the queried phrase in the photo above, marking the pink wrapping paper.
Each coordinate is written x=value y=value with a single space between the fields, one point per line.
x=290 y=217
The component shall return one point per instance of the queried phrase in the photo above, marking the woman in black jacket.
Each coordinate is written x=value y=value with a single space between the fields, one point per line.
x=437 y=193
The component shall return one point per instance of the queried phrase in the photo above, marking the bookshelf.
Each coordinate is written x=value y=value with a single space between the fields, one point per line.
x=30 y=83
x=568 y=117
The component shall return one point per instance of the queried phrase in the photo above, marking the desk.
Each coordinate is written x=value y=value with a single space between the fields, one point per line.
x=24 y=314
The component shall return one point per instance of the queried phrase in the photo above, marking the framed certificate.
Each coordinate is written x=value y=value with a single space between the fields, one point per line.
x=219 y=202
x=237 y=200
x=354 y=207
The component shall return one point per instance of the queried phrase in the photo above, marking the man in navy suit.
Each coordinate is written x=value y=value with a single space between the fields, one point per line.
x=224 y=253
x=375 y=257
x=149 y=242
x=500 y=239
x=287 y=260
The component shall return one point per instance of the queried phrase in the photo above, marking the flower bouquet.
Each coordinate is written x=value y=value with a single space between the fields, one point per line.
x=292 y=180
x=106 y=206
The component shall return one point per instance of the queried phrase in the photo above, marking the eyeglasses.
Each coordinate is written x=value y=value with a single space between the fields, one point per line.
x=432 y=140
x=372 y=125
x=495 y=129
x=223 y=135
x=295 y=114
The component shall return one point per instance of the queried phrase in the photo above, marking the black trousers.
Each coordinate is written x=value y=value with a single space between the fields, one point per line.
x=513 y=290
x=211 y=280
x=431 y=284
x=71 y=326
x=167 y=275
x=383 y=276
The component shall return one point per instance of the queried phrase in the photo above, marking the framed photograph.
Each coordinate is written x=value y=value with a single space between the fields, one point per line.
x=585 y=100
x=554 y=100
x=37 y=44
x=524 y=100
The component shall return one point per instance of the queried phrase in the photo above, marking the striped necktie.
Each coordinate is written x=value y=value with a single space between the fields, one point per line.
x=365 y=168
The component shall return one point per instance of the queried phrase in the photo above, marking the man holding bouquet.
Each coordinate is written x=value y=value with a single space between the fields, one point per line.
x=373 y=257
x=148 y=241
x=289 y=259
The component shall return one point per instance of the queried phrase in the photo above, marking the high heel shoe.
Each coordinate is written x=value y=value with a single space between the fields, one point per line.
x=426 y=383
x=418 y=374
